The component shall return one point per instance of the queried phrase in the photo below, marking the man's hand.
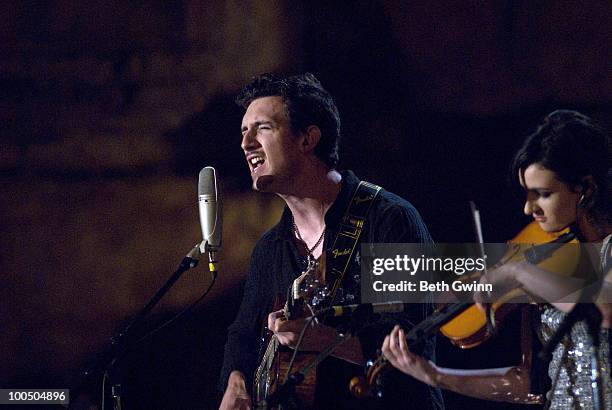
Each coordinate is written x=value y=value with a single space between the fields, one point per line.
x=235 y=396
x=317 y=338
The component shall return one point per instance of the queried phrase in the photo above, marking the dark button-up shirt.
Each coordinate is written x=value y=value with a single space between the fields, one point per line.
x=276 y=262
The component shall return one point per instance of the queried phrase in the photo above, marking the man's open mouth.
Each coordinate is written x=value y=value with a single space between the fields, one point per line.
x=256 y=161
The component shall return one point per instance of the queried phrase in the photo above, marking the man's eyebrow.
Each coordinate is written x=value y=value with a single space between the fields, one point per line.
x=255 y=124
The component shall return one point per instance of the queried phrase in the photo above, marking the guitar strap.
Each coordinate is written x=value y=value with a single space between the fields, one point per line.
x=351 y=226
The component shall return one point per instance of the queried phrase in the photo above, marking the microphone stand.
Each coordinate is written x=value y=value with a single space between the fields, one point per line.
x=107 y=362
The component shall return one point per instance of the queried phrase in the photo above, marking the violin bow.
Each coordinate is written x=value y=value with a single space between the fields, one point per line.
x=479 y=237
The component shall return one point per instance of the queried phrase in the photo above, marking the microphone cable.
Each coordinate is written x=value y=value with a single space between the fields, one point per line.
x=159 y=328
x=185 y=311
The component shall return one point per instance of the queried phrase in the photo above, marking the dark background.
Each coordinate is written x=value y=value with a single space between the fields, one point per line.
x=109 y=109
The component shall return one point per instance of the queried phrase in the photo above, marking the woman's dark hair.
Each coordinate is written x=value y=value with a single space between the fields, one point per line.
x=307 y=103
x=573 y=146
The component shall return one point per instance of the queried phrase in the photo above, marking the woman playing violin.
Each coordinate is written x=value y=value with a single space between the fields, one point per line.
x=564 y=168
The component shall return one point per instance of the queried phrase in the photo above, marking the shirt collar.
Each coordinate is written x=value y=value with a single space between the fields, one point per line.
x=338 y=208
x=334 y=213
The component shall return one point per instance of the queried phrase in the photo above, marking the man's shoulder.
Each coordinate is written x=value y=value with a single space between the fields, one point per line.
x=270 y=238
x=394 y=219
x=390 y=199
x=388 y=202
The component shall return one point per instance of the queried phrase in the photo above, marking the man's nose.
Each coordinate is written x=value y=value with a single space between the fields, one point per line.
x=247 y=140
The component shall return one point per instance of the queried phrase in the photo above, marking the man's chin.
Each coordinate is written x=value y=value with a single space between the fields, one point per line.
x=263 y=183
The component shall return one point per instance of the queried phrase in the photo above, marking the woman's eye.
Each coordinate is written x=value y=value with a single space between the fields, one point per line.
x=545 y=194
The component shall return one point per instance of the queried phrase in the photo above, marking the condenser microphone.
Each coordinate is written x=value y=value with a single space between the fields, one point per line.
x=209 y=203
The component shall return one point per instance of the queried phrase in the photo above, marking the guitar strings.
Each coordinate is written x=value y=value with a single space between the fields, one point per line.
x=297 y=345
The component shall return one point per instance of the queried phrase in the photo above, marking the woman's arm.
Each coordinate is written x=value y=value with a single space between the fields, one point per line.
x=509 y=384
x=540 y=284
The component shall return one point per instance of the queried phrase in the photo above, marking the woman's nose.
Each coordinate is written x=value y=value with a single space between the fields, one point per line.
x=528 y=209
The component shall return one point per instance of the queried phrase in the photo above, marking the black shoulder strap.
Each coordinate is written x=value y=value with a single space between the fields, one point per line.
x=351 y=225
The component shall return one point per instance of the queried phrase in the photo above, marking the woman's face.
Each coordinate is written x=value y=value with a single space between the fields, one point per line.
x=552 y=203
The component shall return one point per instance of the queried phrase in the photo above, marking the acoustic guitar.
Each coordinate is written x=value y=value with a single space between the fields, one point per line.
x=305 y=292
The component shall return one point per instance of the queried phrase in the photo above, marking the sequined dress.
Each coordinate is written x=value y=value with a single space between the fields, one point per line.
x=571 y=363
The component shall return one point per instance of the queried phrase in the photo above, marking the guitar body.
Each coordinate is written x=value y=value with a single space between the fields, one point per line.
x=273 y=376
x=275 y=359
x=305 y=391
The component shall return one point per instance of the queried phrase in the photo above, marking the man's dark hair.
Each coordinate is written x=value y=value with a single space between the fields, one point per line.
x=573 y=146
x=307 y=103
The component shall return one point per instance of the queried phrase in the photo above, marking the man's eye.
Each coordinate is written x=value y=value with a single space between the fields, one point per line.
x=545 y=194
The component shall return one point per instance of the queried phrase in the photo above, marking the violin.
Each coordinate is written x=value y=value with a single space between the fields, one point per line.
x=463 y=323
x=469 y=328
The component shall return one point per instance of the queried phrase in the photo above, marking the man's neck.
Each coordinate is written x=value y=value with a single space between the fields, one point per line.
x=317 y=193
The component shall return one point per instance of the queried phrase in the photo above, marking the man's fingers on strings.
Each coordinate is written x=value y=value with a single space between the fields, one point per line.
x=275 y=319
x=271 y=319
x=286 y=339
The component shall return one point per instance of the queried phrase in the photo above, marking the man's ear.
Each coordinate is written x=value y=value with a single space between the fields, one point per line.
x=310 y=138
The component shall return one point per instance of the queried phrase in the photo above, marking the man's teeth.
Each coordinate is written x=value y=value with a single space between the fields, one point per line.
x=256 y=161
